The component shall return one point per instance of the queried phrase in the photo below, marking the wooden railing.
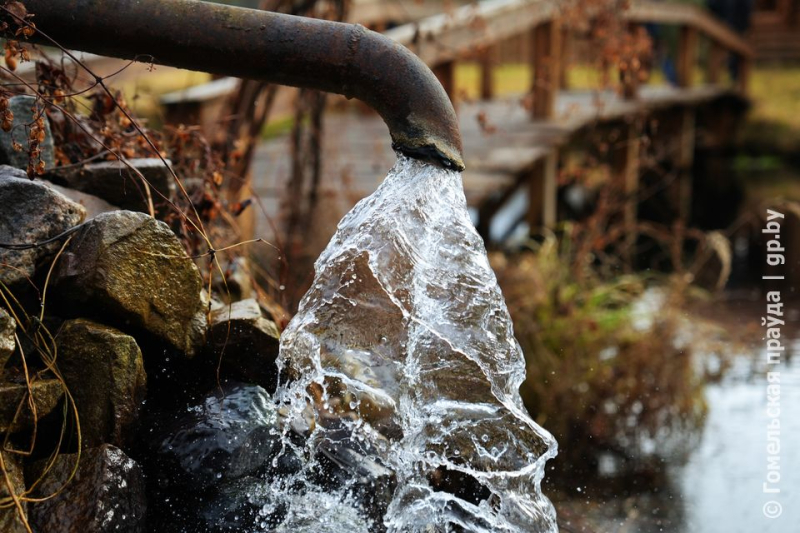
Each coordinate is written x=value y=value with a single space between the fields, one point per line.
x=442 y=40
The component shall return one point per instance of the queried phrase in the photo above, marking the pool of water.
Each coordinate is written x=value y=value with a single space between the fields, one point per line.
x=719 y=487
x=722 y=484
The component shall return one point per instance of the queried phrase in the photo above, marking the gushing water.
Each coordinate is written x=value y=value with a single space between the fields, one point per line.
x=406 y=374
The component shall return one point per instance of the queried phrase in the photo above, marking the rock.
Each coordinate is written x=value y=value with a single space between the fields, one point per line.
x=10 y=521
x=94 y=206
x=24 y=113
x=247 y=343
x=106 y=494
x=239 y=504
x=226 y=437
x=47 y=394
x=348 y=462
x=131 y=269
x=7 y=343
x=238 y=281
x=104 y=371
x=116 y=183
x=31 y=213
x=324 y=512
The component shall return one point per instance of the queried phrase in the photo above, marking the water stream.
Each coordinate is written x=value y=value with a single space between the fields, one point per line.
x=403 y=403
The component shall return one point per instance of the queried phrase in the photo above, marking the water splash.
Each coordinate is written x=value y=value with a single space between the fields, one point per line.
x=405 y=344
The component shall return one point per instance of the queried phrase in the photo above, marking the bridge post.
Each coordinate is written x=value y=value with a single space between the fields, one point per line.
x=487 y=59
x=629 y=76
x=546 y=68
x=687 y=56
x=685 y=161
x=745 y=65
x=446 y=73
x=625 y=178
x=716 y=61
x=566 y=51
x=542 y=191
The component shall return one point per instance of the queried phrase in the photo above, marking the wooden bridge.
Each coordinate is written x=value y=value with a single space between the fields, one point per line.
x=514 y=146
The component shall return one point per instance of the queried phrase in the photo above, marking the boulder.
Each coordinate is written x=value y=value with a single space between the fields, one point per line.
x=31 y=213
x=238 y=281
x=46 y=393
x=116 y=183
x=25 y=112
x=104 y=372
x=94 y=205
x=10 y=520
x=345 y=461
x=7 y=343
x=106 y=494
x=229 y=435
x=131 y=269
x=243 y=344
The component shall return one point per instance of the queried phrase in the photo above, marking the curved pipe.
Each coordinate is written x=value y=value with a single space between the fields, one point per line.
x=302 y=52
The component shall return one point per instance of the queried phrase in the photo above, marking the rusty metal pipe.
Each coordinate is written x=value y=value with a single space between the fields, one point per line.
x=302 y=52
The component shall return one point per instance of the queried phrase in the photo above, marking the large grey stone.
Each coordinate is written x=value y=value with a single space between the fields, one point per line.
x=116 y=183
x=104 y=372
x=94 y=205
x=7 y=343
x=106 y=494
x=243 y=344
x=131 y=269
x=229 y=435
x=30 y=213
x=24 y=114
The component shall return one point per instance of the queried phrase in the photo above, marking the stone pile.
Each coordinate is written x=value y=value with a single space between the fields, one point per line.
x=131 y=325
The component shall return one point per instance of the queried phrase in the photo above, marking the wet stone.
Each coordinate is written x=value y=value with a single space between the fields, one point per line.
x=94 y=206
x=119 y=185
x=106 y=494
x=348 y=462
x=130 y=271
x=24 y=114
x=31 y=213
x=7 y=343
x=104 y=371
x=244 y=344
x=229 y=435
x=47 y=394
x=10 y=520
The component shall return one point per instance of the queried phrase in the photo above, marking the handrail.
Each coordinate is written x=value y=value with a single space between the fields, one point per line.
x=444 y=37
x=693 y=16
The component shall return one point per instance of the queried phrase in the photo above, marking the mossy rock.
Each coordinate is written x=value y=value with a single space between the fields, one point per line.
x=130 y=270
x=243 y=344
x=46 y=394
x=104 y=372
